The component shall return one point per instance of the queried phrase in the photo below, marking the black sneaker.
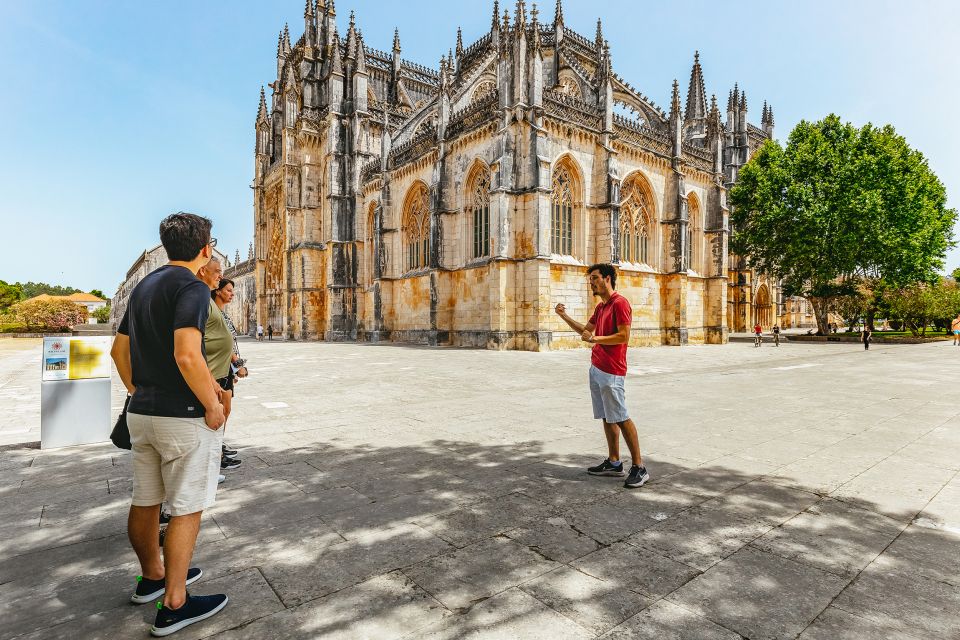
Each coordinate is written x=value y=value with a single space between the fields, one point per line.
x=150 y=590
x=229 y=463
x=195 y=609
x=164 y=517
x=607 y=468
x=637 y=478
x=227 y=451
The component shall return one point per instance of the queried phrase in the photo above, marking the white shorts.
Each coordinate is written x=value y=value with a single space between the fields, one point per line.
x=606 y=391
x=175 y=460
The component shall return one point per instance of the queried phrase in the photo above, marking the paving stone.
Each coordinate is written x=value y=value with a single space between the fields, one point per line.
x=554 y=539
x=789 y=594
x=627 y=512
x=510 y=614
x=389 y=513
x=701 y=537
x=666 y=621
x=487 y=518
x=837 y=624
x=637 y=569
x=302 y=572
x=384 y=607
x=903 y=602
x=832 y=536
x=262 y=514
x=594 y=604
x=460 y=578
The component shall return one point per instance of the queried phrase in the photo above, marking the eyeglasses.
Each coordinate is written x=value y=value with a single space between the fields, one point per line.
x=213 y=242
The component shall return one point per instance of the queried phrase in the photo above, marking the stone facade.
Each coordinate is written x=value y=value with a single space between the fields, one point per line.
x=458 y=205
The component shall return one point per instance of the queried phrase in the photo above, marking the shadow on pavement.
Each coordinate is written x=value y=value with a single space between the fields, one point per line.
x=456 y=540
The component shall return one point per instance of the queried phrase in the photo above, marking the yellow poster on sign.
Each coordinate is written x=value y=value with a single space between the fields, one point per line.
x=89 y=358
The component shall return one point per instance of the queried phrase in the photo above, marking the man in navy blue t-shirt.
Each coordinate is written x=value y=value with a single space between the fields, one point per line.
x=174 y=418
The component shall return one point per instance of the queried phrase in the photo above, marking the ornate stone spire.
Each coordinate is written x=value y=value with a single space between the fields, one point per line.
x=535 y=44
x=459 y=42
x=495 y=24
x=598 y=39
x=262 y=109
x=743 y=101
x=236 y=256
x=286 y=39
x=331 y=10
x=309 y=24
x=352 y=38
x=770 y=116
x=696 y=92
x=361 y=55
x=308 y=10
x=450 y=60
x=396 y=40
x=675 y=100
x=521 y=16
x=336 y=63
x=250 y=251
x=558 y=14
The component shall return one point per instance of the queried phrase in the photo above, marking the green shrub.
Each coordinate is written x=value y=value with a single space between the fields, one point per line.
x=57 y=315
x=102 y=314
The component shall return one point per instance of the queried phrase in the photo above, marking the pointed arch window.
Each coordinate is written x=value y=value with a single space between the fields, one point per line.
x=561 y=237
x=478 y=205
x=694 y=233
x=416 y=227
x=634 y=224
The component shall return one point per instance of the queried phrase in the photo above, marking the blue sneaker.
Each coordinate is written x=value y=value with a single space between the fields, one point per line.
x=150 y=590
x=195 y=609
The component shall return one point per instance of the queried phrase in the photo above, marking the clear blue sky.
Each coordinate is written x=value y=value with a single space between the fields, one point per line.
x=114 y=114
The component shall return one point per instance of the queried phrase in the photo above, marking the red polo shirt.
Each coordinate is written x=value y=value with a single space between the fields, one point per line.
x=606 y=318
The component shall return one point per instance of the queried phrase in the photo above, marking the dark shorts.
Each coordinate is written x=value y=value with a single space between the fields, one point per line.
x=226 y=383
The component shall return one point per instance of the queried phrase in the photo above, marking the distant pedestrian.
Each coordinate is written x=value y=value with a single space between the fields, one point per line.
x=260 y=333
x=174 y=418
x=866 y=335
x=609 y=331
x=757 y=335
x=776 y=335
x=955 y=329
x=270 y=332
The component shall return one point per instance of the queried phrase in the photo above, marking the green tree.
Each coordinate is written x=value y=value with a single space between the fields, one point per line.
x=10 y=294
x=98 y=293
x=34 y=289
x=839 y=204
x=102 y=314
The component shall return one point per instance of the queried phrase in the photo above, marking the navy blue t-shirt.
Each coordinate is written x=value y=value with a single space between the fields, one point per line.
x=168 y=299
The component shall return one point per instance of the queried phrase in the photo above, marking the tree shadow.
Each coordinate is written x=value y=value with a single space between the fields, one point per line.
x=456 y=539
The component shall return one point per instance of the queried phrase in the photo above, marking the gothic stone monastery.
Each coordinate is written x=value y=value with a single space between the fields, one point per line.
x=395 y=202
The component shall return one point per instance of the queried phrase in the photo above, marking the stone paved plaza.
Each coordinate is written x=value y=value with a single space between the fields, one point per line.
x=808 y=491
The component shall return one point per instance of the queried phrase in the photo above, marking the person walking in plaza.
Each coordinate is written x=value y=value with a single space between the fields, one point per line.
x=174 y=417
x=955 y=330
x=218 y=349
x=609 y=331
x=269 y=332
x=866 y=336
x=259 y=333
x=757 y=335
x=776 y=335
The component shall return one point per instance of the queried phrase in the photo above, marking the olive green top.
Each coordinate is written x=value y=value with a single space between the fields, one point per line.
x=218 y=343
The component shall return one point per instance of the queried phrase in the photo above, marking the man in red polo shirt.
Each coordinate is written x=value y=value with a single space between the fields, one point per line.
x=609 y=331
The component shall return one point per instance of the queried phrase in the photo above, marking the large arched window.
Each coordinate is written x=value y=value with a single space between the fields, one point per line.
x=694 y=234
x=416 y=226
x=635 y=222
x=561 y=236
x=370 y=244
x=478 y=210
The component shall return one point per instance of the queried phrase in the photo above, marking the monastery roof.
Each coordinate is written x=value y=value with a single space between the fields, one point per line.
x=73 y=297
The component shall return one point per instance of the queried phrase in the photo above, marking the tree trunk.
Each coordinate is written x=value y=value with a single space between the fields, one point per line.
x=869 y=319
x=821 y=313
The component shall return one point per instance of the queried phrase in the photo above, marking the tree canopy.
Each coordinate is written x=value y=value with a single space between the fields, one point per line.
x=839 y=204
